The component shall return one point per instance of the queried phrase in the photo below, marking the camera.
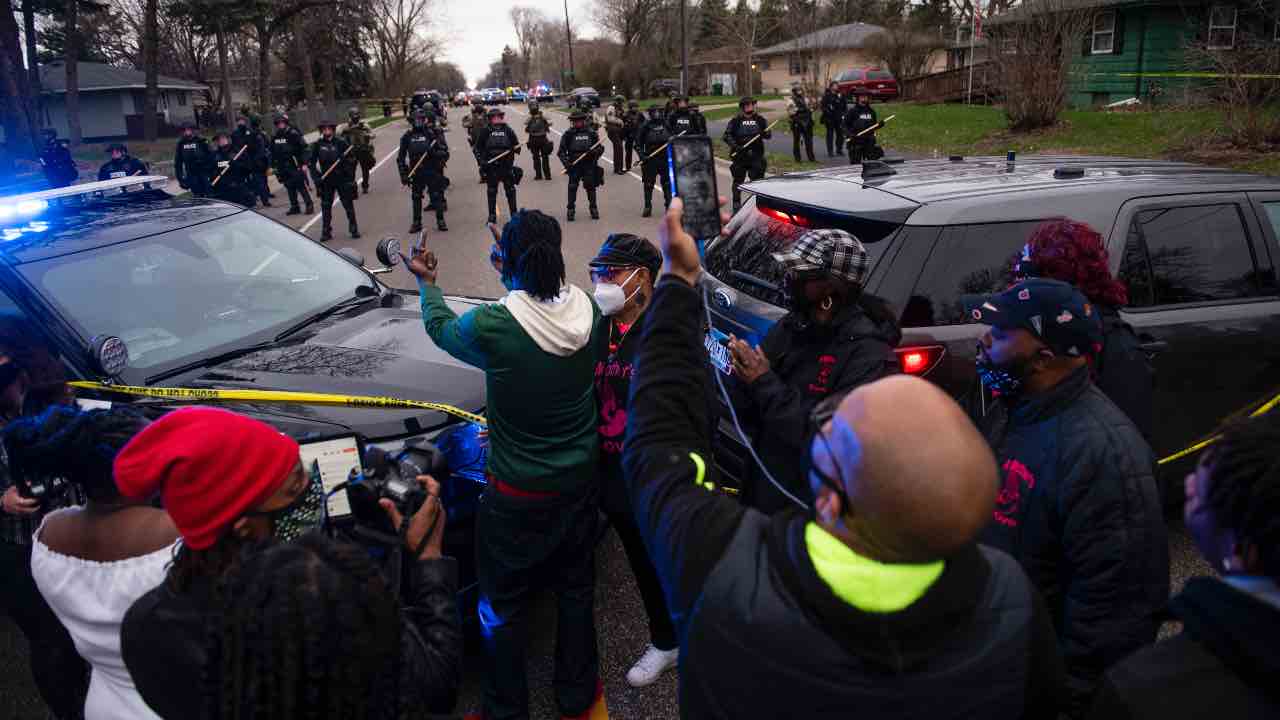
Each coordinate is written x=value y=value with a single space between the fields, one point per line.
x=394 y=476
x=46 y=490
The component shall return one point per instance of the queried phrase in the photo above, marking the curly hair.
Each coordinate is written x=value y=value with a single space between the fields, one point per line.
x=309 y=629
x=1244 y=486
x=1073 y=252
x=67 y=442
x=531 y=254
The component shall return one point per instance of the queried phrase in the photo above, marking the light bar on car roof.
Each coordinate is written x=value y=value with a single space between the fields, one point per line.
x=37 y=201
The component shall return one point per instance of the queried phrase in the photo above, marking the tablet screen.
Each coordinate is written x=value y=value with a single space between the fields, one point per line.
x=337 y=457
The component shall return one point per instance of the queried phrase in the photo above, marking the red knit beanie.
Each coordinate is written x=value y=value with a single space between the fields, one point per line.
x=210 y=466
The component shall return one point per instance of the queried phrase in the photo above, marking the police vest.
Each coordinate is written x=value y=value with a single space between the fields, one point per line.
x=656 y=134
x=682 y=123
x=801 y=109
x=747 y=128
x=867 y=117
x=419 y=143
x=579 y=142
x=190 y=150
x=537 y=125
x=500 y=140
x=327 y=154
x=281 y=148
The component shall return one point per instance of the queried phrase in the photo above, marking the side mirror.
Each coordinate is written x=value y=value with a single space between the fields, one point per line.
x=352 y=256
x=110 y=354
x=388 y=251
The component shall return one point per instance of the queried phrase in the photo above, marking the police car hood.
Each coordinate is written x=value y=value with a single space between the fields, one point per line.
x=371 y=351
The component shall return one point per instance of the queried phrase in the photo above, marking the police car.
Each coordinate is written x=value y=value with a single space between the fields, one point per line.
x=189 y=297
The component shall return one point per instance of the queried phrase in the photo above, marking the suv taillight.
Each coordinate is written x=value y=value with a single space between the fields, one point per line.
x=785 y=217
x=919 y=359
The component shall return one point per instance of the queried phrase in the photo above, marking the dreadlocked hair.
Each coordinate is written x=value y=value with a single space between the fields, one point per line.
x=531 y=255
x=1244 y=486
x=46 y=376
x=308 y=631
x=80 y=446
x=190 y=567
x=1074 y=253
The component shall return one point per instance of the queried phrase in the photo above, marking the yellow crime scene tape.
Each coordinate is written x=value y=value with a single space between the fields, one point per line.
x=280 y=396
x=1265 y=408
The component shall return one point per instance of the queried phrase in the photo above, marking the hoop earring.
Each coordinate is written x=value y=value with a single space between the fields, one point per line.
x=827 y=303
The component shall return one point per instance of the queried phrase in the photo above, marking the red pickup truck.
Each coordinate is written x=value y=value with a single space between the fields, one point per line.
x=879 y=84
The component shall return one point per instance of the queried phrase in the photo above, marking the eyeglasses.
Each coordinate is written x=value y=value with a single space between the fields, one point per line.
x=606 y=272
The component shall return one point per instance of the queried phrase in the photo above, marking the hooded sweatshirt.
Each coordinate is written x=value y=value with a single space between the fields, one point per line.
x=539 y=359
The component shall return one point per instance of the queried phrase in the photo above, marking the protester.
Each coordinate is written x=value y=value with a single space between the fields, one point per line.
x=624 y=271
x=311 y=629
x=878 y=603
x=220 y=502
x=1074 y=253
x=536 y=526
x=1224 y=664
x=835 y=338
x=31 y=379
x=91 y=563
x=1078 y=504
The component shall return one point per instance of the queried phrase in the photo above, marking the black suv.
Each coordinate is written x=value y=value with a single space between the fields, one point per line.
x=1197 y=247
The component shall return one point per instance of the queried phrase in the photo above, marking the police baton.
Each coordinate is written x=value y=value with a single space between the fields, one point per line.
x=664 y=145
x=565 y=171
x=496 y=159
x=306 y=181
x=228 y=167
x=335 y=162
x=756 y=137
x=877 y=126
x=422 y=157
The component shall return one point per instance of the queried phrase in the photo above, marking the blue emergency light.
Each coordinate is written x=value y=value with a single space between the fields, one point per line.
x=18 y=213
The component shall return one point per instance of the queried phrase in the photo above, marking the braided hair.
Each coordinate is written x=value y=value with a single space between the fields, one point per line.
x=80 y=446
x=1244 y=486
x=308 y=630
x=531 y=254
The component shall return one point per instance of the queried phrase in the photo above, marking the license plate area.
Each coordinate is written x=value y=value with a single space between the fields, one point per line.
x=718 y=352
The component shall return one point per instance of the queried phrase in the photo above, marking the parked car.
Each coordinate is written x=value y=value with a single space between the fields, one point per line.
x=475 y=95
x=516 y=95
x=664 y=86
x=494 y=96
x=1197 y=247
x=590 y=94
x=461 y=99
x=880 y=84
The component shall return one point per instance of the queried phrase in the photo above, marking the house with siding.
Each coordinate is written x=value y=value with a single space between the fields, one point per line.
x=111 y=100
x=815 y=58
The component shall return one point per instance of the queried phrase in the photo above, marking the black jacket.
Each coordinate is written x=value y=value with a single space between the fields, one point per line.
x=163 y=643
x=805 y=370
x=59 y=167
x=1123 y=372
x=126 y=166
x=1078 y=507
x=761 y=635
x=858 y=118
x=190 y=159
x=740 y=131
x=615 y=366
x=834 y=107
x=331 y=153
x=1224 y=664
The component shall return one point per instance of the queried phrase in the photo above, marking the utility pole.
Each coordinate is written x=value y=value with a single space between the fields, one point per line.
x=684 y=52
x=568 y=36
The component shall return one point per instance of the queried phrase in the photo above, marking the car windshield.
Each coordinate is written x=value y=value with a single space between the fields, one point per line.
x=879 y=75
x=848 y=75
x=197 y=291
x=744 y=259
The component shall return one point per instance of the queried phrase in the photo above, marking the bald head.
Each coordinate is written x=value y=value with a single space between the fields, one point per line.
x=920 y=478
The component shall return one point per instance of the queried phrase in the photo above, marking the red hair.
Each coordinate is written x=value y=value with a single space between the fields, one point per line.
x=1073 y=252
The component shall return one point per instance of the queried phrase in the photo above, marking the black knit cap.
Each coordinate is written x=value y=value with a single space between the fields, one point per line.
x=625 y=250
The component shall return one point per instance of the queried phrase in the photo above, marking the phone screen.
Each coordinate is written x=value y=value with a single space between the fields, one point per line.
x=692 y=169
x=337 y=458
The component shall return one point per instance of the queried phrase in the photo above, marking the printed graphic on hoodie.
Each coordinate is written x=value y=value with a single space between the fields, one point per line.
x=1018 y=481
x=613 y=409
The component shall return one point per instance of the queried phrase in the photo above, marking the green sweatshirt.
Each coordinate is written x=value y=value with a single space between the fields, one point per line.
x=540 y=404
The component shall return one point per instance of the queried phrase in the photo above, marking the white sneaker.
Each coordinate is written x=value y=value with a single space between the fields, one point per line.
x=651 y=665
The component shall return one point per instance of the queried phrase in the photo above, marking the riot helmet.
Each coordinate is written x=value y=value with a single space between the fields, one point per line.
x=495 y=113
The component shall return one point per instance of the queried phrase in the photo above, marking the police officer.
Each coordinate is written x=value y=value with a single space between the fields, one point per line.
x=631 y=123
x=614 y=126
x=288 y=156
x=744 y=135
x=859 y=125
x=580 y=151
x=360 y=137
x=495 y=148
x=121 y=164
x=59 y=168
x=229 y=172
x=191 y=161
x=801 y=116
x=650 y=138
x=423 y=153
x=680 y=121
x=537 y=128
x=329 y=154
x=699 y=120
x=264 y=160
x=474 y=123
x=244 y=136
x=419 y=99
x=386 y=108
x=834 y=106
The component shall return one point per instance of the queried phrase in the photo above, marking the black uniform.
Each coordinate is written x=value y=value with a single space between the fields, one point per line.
x=124 y=167
x=325 y=154
x=699 y=121
x=801 y=127
x=540 y=146
x=59 y=169
x=423 y=154
x=834 y=107
x=256 y=156
x=491 y=142
x=288 y=156
x=230 y=176
x=748 y=160
x=682 y=121
x=859 y=118
x=615 y=127
x=652 y=135
x=631 y=123
x=573 y=143
x=191 y=164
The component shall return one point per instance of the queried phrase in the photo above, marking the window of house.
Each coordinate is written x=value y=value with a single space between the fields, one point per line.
x=1104 y=33
x=1189 y=254
x=968 y=260
x=1222 y=27
x=182 y=99
x=799 y=65
x=763 y=64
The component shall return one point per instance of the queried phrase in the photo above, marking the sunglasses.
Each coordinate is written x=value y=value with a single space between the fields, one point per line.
x=607 y=272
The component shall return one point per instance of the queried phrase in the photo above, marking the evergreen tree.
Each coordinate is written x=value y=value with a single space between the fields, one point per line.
x=714 y=13
x=772 y=14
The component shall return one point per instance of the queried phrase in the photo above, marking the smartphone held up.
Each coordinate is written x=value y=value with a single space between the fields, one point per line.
x=691 y=166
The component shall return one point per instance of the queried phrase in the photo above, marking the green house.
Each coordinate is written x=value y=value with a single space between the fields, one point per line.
x=1139 y=49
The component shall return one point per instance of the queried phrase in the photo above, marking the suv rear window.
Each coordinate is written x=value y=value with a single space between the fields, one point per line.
x=745 y=261
x=967 y=260
x=848 y=75
x=879 y=75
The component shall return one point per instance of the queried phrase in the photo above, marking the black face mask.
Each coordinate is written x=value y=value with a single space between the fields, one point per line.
x=1005 y=379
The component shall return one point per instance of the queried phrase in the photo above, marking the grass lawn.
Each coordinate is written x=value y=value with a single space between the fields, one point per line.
x=380 y=121
x=777 y=163
x=95 y=154
x=706 y=100
x=720 y=113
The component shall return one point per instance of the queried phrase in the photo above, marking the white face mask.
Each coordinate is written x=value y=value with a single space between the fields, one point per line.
x=612 y=298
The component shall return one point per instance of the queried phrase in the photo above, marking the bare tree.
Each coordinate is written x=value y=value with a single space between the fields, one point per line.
x=629 y=20
x=526 y=21
x=1033 y=46
x=742 y=31
x=151 y=68
x=271 y=18
x=905 y=47
x=71 y=59
x=304 y=57
x=1244 y=64
x=16 y=105
x=401 y=39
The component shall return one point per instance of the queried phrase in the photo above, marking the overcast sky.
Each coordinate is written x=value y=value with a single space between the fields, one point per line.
x=476 y=30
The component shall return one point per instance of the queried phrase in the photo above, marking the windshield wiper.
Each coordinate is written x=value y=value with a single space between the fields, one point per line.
x=208 y=361
x=364 y=293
